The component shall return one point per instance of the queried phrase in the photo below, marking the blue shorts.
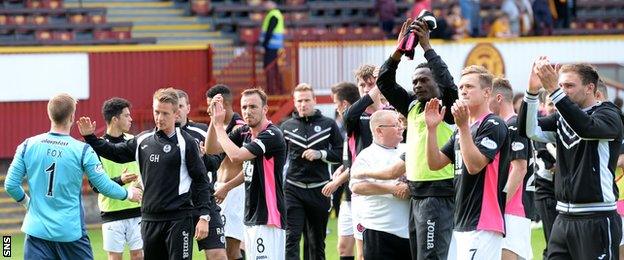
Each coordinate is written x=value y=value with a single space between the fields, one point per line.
x=37 y=248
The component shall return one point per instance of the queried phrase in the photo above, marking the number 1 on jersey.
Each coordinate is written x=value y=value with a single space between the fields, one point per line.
x=50 y=171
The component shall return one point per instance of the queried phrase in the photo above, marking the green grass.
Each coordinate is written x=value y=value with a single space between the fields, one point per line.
x=330 y=249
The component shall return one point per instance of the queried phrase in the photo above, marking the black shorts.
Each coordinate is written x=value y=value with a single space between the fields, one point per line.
x=595 y=236
x=379 y=245
x=171 y=239
x=216 y=235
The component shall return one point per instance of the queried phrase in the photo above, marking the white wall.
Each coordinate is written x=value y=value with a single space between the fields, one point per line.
x=37 y=77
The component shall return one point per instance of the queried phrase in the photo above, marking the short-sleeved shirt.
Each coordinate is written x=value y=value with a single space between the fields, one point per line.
x=264 y=197
x=479 y=198
x=521 y=204
x=53 y=164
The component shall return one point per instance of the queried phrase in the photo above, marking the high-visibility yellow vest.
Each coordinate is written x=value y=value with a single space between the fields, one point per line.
x=277 y=38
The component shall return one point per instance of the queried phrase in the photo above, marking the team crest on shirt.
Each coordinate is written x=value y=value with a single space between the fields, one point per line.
x=360 y=228
x=488 y=143
x=317 y=128
x=167 y=148
x=99 y=168
x=517 y=146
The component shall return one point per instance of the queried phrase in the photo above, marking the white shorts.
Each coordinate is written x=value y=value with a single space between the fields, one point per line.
x=622 y=241
x=345 y=224
x=116 y=234
x=358 y=229
x=232 y=212
x=265 y=242
x=518 y=236
x=480 y=244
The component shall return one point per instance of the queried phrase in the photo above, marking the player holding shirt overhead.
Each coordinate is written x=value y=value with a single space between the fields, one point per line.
x=519 y=209
x=260 y=146
x=53 y=164
x=479 y=150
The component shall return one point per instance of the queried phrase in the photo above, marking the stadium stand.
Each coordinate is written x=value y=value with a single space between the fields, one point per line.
x=48 y=22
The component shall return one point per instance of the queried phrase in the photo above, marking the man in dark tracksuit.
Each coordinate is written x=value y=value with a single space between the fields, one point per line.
x=588 y=134
x=313 y=142
x=214 y=244
x=170 y=163
x=432 y=200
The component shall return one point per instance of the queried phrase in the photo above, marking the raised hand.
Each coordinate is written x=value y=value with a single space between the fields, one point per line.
x=534 y=82
x=461 y=113
x=548 y=75
x=85 y=126
x=433 y=114
x=217 y=115
x=422 y=31
x=404 y=29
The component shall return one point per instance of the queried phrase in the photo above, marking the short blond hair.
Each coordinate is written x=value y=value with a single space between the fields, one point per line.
x=167 y=95
x=303 y=87
x=61 y=107
x=485 y=77
x=365 y=72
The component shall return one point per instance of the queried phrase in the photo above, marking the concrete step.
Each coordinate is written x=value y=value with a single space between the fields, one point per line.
x=17 y=209
x=143 y=15
x=169 y=27
x=137 y=20
x=120 y=4
x=112 y=12
x=211 y=40
x=6 y=200
x=10 y=231
x=11 y=221
x=189 y=42
x=216 y=35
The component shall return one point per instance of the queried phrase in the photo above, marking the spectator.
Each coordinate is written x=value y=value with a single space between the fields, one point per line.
x=526 y=17
x=387 y=10
x=457 y=22
x=272 y=40
x=561 y=14
x=470 y=9
x=512 y=9
x=501 y=27
x=542 y=17
x=418 y=6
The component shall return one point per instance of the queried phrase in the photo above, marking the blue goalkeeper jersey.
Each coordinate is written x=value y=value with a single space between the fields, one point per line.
x=53 y=165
